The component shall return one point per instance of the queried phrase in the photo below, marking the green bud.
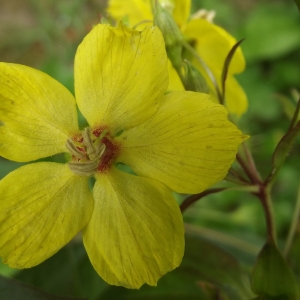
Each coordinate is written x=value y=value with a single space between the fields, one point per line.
x=272 y=278
x=194 y=80
x=171 y=33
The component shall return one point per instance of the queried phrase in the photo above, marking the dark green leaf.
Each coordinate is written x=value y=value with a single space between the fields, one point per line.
x=272 y=276
x=69 y=272
x=283 y=149
x=11 y=289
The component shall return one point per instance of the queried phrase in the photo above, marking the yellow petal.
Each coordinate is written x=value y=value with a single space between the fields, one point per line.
x=136 y=231
x=213 y=44
x=175 y=83
x=42 y=207
x=188 y=145
x=120 y=75
x=37 y=114
x=181 y=11
x=135 y=10
x=235 y=97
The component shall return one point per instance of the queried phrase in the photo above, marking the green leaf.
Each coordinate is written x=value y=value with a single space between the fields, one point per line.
x=11 y=289
x=69 y=272
x=283 y=149
x=272 y=276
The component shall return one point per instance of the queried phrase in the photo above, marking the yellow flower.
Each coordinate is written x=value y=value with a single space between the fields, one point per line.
x=211 y=42
x=132 y=227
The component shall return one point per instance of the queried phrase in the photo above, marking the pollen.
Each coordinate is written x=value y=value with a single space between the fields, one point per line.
x=92 y=151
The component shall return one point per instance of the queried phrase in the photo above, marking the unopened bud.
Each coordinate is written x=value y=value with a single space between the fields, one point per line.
x=171 y=33
x=194 y=79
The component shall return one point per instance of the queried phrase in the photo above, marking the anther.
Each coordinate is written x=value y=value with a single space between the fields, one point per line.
x=73 y=149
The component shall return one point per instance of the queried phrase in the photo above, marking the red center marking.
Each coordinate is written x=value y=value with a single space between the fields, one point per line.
x=111 y=150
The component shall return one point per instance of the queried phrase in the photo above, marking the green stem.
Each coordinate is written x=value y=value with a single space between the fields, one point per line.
x=251 y=163
x=267 y=204
x=187 y=202
x=251 y=173
x=193 y=198
x=235 y=177
x=293 y=226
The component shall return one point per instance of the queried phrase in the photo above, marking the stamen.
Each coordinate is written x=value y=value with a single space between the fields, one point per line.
x=87 y=161
x=97 y=155
x=87 y=141
x=73 y=149
x=80 y=169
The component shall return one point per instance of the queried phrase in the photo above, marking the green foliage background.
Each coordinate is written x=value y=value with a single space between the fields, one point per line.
x=225 y=231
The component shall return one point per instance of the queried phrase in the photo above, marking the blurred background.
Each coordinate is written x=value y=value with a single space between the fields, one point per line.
x=226 y=230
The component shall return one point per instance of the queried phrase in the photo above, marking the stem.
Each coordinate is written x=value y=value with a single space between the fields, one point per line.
x=266 y=201
x=193 y=198
x=234 y=177
x=293 y=226
x=251 y=162
x=251 y=173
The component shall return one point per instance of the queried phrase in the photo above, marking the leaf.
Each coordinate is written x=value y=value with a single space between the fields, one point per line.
x=11 y=289
x=272 y=276
x=69 y=272
x=283 y=149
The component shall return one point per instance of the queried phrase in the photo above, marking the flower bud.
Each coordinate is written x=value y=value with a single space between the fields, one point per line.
x=171 y=33
x=194 y=79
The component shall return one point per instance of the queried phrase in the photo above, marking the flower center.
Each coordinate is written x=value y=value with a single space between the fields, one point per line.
x=92 y=151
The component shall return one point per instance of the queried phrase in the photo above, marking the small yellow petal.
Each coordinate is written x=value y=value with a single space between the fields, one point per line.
x=42 y=207
x=213 y=44
x=135 y=10
x=188 y=145
x=181 y=12
x=136 y=231
x=120 y=75
x=175 y=83
x=37 y=114
x=235 y=97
